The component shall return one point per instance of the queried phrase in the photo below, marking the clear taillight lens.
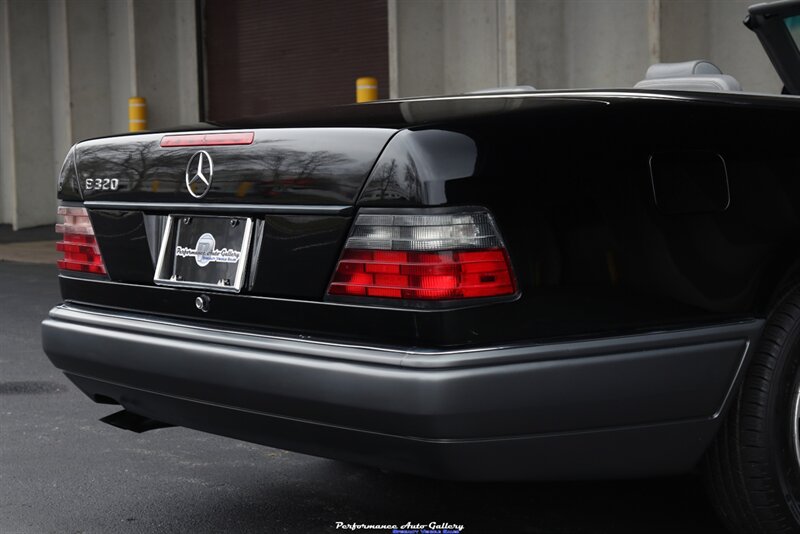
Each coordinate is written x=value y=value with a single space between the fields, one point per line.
x=424 y=257
x=78 y=243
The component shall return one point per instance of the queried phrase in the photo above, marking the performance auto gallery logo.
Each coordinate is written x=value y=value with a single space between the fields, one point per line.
x=205 y=252
x=407 y=528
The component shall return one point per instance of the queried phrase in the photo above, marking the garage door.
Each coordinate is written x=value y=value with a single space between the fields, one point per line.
x=263 y=56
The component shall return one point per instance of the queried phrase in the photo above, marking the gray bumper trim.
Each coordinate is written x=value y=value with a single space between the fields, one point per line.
x=476 y=394
x=418 y=358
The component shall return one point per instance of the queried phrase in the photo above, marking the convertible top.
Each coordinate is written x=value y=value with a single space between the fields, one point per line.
x=773 y=23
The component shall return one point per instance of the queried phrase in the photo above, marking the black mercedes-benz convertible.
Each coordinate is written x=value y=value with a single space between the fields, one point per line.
x=512 y=285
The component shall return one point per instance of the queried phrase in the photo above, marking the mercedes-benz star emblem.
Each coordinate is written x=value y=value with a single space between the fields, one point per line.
x=199 y=172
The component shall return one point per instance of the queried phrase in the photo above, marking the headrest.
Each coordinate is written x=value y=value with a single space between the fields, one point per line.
x=697 y=75
x=501 y=90
x=714 y=84
x=679 y=70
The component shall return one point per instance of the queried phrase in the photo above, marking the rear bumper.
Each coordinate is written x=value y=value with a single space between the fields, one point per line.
x=628 y=406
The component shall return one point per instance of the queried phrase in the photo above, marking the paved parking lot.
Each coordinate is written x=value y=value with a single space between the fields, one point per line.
x=63 y=471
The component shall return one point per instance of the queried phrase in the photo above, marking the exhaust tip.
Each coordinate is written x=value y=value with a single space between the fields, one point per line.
x=134 y=422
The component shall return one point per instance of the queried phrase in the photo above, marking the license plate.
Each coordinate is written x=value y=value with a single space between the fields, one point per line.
x=204 y=252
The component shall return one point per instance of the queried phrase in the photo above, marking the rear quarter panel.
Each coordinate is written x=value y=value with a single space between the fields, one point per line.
x=570 y=184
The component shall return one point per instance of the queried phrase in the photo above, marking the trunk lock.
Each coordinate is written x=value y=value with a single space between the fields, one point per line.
x=202 y=303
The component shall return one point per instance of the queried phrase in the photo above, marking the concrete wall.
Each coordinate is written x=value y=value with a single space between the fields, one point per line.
x=452 y=46
x=7 y=171
x=423 y=75
x=736 y=49
x=26 y=121
x=67 y=69
x=166 y=61
x=541 y=34
x=469 y=46
x=713 y=29
x=606 y=43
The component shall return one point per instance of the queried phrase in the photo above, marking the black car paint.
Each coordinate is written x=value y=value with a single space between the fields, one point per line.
x=281 y=166
x=568 y=179
x=307 y=246
x=567 y=176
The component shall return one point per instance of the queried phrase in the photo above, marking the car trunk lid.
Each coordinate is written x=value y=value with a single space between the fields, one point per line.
x=280 y=199
x=309 y=166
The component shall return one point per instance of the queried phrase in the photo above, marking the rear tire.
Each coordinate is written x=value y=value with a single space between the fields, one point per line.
x=753 y=468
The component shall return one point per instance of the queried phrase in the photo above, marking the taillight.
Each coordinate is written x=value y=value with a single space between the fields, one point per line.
x=78 y=243
x=417 y=256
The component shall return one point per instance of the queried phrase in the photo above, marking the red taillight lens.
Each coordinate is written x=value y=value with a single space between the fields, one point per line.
x=78 y=244
x=424 y=257
x=211 y=139
x=450 y=274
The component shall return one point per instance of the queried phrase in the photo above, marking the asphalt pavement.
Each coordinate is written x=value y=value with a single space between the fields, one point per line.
x=62 y=471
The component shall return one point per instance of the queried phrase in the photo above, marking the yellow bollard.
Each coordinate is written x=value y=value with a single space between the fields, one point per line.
x=137 y=114
x=366 y=89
